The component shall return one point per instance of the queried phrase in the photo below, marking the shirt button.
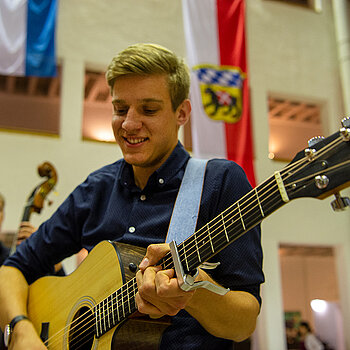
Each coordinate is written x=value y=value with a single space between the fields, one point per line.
x=143 y=197
x=132 y=229
x=161 y=181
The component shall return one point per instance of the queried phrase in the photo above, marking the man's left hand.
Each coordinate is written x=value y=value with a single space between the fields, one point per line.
x=158 y=291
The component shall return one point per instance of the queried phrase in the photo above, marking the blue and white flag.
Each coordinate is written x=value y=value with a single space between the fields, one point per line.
x=27 y=37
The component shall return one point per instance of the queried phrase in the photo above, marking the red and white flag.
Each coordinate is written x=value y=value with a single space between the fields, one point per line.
x=216 y=52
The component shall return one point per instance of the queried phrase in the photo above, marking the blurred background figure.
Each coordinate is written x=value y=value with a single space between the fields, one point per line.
x=308 y=341
x=24 y=231
x=4 y=251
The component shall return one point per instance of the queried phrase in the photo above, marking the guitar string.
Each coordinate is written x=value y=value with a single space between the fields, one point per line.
x=54 y=339
x=301 y=164
x=311 y=175
x=134 y=291
x=133 y=285
x=249 y=221
x=77 y=324
x=304 y=160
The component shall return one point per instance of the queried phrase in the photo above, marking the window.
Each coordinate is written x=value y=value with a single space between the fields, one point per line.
x=292 y=123
x=315 y=5
x=30 y=104
x=97 y=115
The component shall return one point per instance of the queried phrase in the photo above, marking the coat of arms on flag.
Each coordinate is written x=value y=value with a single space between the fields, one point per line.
x=221 y=91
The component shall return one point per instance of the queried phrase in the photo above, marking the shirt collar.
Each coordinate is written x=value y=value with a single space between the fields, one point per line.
x=170 y=168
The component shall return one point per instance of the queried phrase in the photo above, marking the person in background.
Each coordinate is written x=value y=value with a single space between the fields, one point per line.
x=131 y=201
x=4 y=251
x=25 y=230
x=308 y=340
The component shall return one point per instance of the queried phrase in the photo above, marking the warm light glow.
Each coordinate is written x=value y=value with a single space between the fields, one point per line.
x=271 y=155
x=318 y=305
x=103 y=135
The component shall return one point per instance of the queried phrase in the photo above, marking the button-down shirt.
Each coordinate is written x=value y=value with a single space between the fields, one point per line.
x=109 y=206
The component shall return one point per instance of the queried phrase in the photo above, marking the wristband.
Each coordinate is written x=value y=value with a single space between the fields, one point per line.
x=9 y=328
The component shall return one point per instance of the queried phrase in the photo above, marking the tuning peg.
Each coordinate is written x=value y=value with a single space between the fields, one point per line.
x=345 y=130
x=345 y=122
x=314 y=140
x=340 y=203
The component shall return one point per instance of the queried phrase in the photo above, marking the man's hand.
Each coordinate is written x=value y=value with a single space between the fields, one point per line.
x=24 y=337
x=24 y=231
x=158 y=291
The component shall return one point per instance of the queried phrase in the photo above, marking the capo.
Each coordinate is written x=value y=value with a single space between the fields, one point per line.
x=187 y=282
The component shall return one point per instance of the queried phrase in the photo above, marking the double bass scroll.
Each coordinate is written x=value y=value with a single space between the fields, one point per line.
x=35 y=201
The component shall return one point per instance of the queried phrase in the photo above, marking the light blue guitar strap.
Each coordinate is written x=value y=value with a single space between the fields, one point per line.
x=185 y=213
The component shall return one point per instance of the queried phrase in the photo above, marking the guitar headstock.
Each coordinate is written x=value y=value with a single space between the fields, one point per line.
x=321 y=169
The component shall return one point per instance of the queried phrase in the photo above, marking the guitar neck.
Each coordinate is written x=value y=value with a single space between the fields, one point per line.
x=224 y=229
x=116 y=308
x=228 y=226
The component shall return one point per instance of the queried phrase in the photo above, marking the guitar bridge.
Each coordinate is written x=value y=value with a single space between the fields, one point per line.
x=44 y=334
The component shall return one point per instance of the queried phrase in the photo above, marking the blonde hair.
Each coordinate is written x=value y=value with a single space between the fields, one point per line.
x=152 y=59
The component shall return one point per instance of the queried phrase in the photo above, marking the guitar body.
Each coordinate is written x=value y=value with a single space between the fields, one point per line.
x=55 y=304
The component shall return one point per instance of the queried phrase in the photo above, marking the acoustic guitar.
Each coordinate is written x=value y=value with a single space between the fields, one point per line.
x=92 y=307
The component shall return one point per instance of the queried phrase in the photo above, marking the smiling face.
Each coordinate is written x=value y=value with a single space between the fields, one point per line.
x=144 y=123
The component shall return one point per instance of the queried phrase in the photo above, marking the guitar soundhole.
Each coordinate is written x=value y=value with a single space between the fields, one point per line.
x=81 y=332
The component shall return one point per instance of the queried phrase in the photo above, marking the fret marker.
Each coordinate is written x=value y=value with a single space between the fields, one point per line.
x=281 y=187
x=108 y=316
x=117 y=304
x=185 y=258
x=96 y=316
x=262 y=212
x=223 y=221
x=195 y=240
x=211 y=243
x=104 y=316
x=113 y=318
x=240 y=215
x=123 y=306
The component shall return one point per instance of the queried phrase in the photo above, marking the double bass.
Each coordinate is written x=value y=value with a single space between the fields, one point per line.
x=35 y=201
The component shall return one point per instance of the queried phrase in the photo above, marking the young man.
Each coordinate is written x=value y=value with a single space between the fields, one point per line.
x=132 y=200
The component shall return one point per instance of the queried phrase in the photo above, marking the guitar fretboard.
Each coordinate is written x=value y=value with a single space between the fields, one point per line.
x=232 y=223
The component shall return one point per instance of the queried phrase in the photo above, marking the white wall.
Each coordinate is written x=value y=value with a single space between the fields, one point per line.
x=89 y=33
x=305 y=278
x=291 y=51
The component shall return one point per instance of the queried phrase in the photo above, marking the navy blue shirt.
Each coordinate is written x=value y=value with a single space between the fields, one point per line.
x=109 y=206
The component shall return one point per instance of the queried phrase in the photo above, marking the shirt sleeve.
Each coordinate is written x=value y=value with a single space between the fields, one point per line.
x=312 y=343
x=57 y=238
